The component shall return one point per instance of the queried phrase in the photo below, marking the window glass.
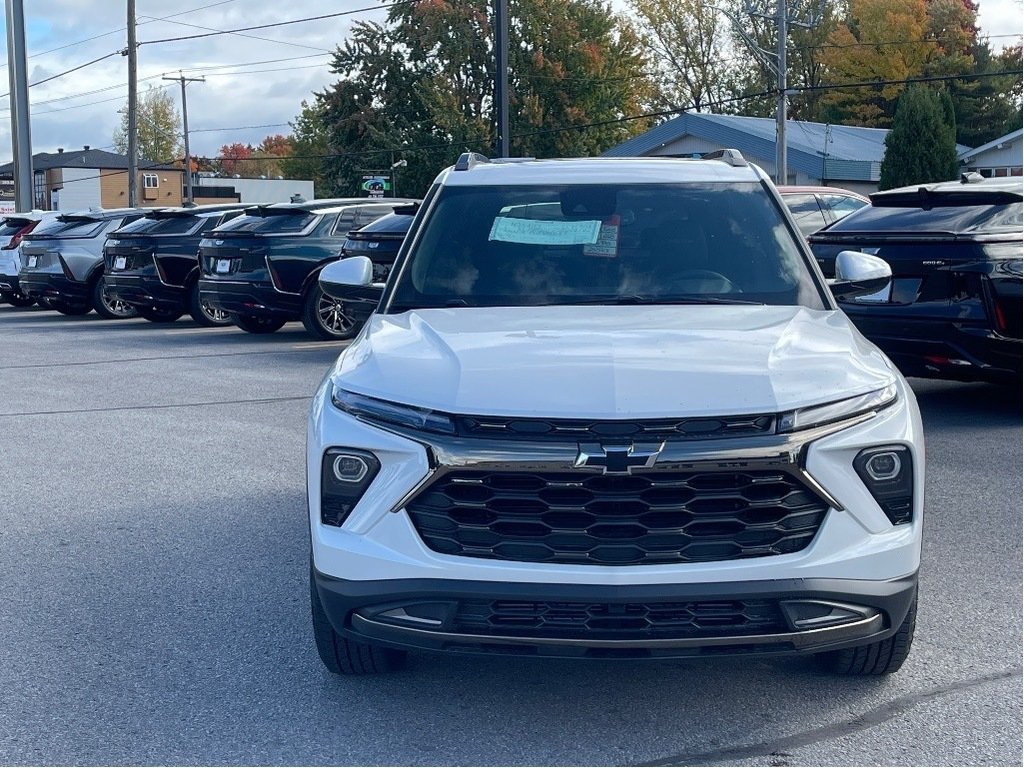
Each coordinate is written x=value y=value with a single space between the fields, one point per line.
x=67 y=227
x=539 y=245
x=945 y=218
x=292 y=222
x=806 y=212
x=170 y=225
x=11 y=227
x=150 y=180
x=841 y=205
x=346 y=222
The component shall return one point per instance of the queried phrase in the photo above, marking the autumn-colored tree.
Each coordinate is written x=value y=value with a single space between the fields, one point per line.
x=158 y=126
x=879 y=41
x=921 y=147
x=232 y=159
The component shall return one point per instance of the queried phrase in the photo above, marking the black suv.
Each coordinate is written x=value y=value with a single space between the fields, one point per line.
x=379 y=242
x=953 y=309
x=153 y=265
x=262 y=267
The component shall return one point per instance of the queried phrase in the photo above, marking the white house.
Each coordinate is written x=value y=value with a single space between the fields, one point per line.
x=1001 y=157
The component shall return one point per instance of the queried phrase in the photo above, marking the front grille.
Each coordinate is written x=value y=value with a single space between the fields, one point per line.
x=582 y=620
x=652 y=429
x=640 y=519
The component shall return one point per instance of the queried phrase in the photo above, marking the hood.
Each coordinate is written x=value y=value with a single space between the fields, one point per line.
x=612 y=362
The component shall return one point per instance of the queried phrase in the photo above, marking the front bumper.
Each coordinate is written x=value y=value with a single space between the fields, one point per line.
x=50 y=285
x=375 y=612
x=250 y=298
x=146 y=292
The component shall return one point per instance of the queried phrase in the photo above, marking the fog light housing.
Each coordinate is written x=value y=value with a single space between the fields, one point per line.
x=344 y=477
x=888 y=474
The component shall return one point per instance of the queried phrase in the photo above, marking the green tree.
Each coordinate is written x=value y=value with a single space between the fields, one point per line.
x=921 y=147
x=159 y=128
x=686 y=43
x=419 y=88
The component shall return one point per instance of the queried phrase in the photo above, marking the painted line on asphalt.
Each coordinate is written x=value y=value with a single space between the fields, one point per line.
x=199 y=355
x=163 y=406
x=869 y=719
x=190 y=331
x=320 y=345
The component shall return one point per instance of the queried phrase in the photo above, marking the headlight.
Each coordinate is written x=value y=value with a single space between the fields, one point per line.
x=816 y=415
x=384 y=412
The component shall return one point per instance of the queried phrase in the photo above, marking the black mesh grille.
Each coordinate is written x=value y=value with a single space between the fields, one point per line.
x=652 y=429
x=639 y=519
x=619 y=620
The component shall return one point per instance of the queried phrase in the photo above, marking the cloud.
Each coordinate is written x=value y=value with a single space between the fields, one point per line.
x=82 y=107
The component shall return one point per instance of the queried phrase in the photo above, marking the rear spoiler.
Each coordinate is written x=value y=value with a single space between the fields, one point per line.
x=925 y=199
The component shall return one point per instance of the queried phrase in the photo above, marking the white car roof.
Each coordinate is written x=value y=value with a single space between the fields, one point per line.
x=599 y=170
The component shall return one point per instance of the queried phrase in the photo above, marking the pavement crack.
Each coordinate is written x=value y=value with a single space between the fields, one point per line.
x=159 y=406
x=869 y=719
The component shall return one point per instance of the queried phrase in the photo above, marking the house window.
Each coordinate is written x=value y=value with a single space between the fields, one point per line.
x=150 y=181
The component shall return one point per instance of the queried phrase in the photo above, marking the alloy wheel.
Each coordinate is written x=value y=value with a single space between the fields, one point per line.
x=331 y=314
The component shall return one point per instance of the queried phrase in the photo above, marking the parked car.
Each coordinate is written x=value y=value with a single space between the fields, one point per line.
x=152 y=263
x=63 y=262
x=953 y=310
x=817 y=207
x=13 y=228
x=261 y=267
x=379 y=241
x=609 y=408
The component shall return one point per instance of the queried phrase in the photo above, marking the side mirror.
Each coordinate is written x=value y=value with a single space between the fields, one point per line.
x=861 y=274
x=338 y=276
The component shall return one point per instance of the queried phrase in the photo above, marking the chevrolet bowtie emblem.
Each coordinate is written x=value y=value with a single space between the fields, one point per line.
x=618 y=459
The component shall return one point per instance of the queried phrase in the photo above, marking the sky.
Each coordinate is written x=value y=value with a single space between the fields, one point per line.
x=249 y=81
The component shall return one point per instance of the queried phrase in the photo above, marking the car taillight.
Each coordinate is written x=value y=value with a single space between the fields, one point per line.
x=16 y=240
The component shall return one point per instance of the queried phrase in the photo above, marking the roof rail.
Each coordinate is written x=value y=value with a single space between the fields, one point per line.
x=511 y=159
x=467 y=160
x=731 y=156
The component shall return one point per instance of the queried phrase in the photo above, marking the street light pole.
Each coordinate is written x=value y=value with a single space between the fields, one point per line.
x=184 y=124
x=133 y=109
x=21 y=131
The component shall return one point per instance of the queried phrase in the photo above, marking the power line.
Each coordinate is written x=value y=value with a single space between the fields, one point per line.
x=933 y=79
x=122 y=29
x=241 y=34
x=239 y=128
x=868 y=43
x=275 y=24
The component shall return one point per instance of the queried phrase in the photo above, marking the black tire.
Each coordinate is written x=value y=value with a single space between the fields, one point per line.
x=343 y=656
x=159 y=315
x=253 y=324
x=326 y=318
x=108 y=307
x=881 y=658
x=203 y=313
x=17 y=300
x=72 y=310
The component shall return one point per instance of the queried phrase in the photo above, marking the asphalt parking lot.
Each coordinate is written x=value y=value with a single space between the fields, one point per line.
x=153 y=598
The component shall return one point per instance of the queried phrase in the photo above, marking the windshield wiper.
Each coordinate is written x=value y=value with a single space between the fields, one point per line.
x=637 y=299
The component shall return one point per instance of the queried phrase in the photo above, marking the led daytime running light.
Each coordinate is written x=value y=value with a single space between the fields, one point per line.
x=397 y=414
x=817 y=415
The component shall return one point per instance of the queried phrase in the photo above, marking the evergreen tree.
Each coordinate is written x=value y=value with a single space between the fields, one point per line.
x=920 y=148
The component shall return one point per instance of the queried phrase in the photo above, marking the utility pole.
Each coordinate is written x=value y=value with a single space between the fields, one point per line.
x=184 y=120
x=21 y=133
x=781 y=18
x=132 y=53
x=501 y=75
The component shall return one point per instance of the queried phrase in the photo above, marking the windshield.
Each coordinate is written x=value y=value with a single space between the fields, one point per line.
x=658 y=244
x=278 y=223
x=67 y=227
x=166 y=225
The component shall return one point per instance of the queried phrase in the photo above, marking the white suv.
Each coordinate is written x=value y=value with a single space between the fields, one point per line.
x=608 y=408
